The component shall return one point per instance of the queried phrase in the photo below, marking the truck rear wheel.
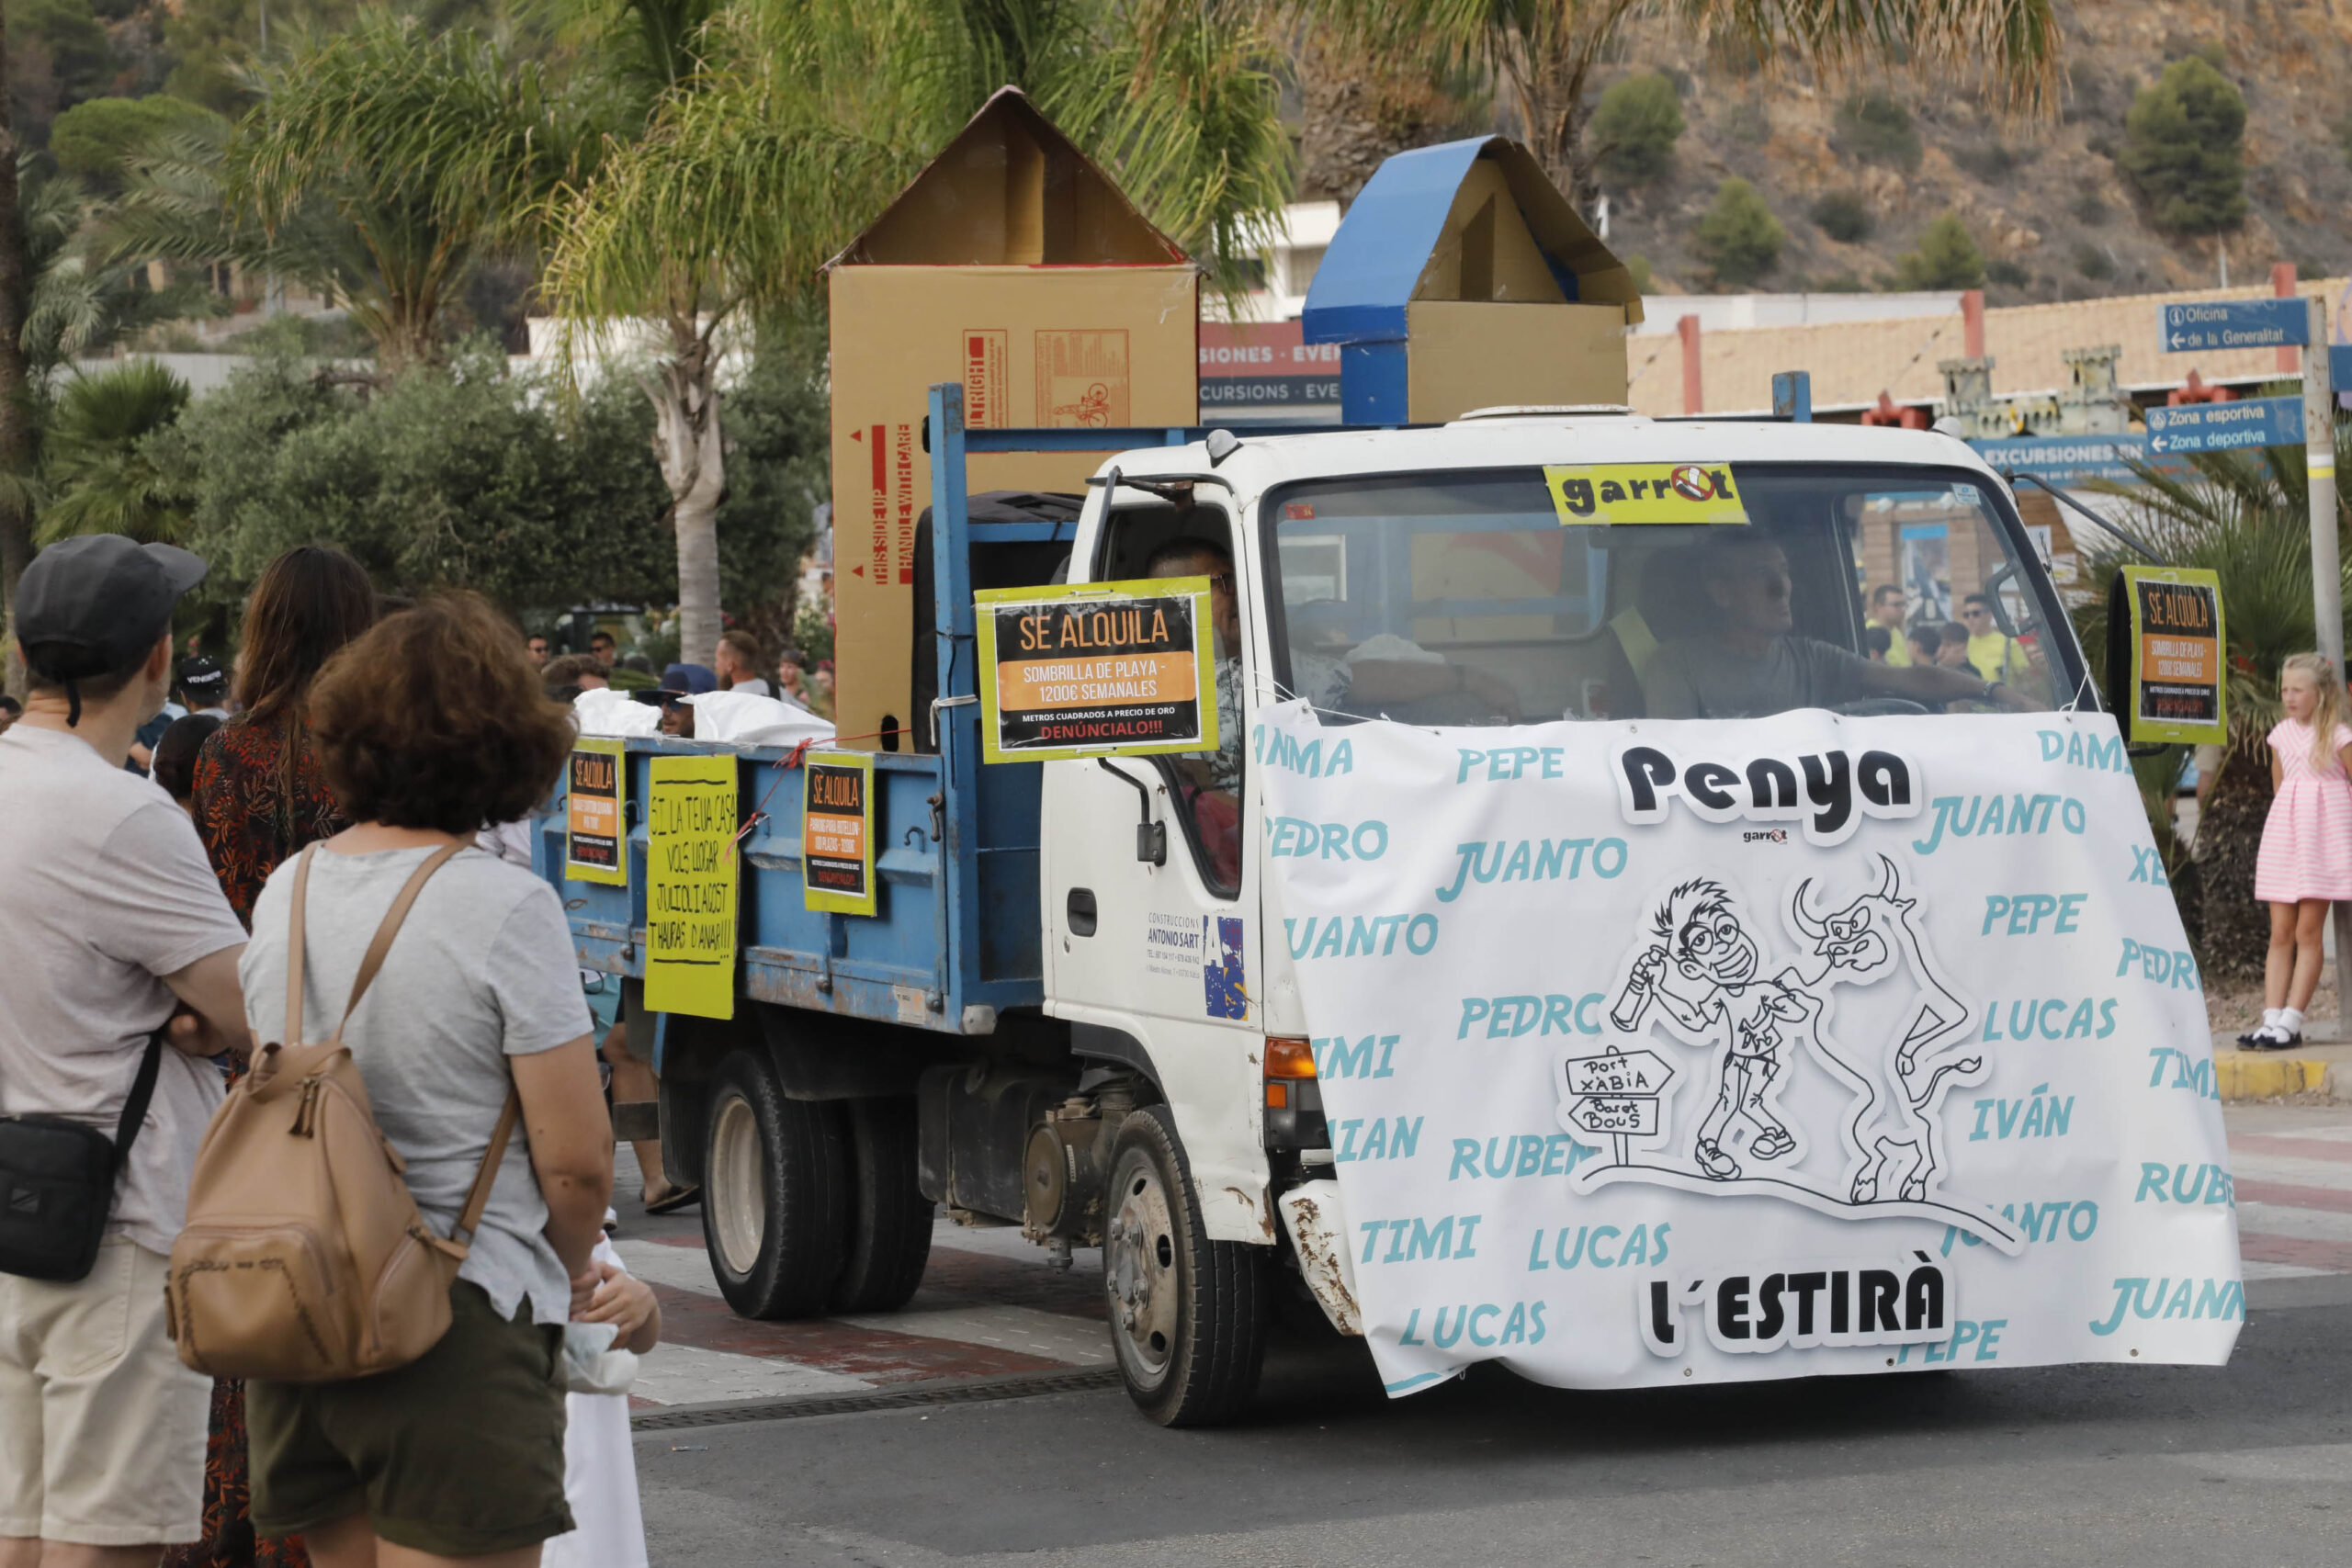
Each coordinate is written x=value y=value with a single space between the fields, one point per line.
x=890 y=1224
x=1188 y=1314
x=774 y=1192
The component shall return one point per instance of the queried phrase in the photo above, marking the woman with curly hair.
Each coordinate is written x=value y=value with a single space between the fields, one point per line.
x=259 y=797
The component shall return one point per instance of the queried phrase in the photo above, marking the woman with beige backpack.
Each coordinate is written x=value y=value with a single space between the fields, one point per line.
x=359 y=1247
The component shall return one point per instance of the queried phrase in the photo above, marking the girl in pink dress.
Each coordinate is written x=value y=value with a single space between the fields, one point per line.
x=2306 y=860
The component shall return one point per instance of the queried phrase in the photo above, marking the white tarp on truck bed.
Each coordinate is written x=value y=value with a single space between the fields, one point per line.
x=1662 y=1052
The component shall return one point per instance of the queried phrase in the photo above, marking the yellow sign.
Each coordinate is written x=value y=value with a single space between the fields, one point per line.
x=2175 y=687
x=690 y=864
x=837 y=833
x=1097 y=670
x=595 y=825
x=1619 y=493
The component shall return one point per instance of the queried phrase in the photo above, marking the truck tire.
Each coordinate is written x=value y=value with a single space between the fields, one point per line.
x=1188 y=1314
x=890 y=1223
x=774 y=1192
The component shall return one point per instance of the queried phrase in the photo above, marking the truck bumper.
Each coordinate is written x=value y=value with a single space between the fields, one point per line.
x=1318 y=1220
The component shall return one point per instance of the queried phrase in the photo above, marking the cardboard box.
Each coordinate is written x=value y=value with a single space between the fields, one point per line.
x=1013 y=266
x=1462 y=278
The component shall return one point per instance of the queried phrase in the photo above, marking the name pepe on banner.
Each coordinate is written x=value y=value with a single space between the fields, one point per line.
x=1096 y=670
x=1864 y=1020
x=690 y=886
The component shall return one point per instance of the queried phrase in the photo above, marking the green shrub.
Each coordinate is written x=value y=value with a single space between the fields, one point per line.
x=2184 y=148
x=1877 y=130
x=93 y=139
x=1947 y=257
x=2007 y=274
x=1843 y=283
x=1638 y=265
x=1634 y=128
x=2093 y=263
x=1843 y=217
x=1739 y=239
x=2088 y=208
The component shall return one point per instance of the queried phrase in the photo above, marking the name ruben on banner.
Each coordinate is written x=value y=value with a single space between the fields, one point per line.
x=1827 y=792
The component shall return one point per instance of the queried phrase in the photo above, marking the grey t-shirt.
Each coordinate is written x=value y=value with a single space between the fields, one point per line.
x=482 y=970
x=1699 y=678
x=103 y=888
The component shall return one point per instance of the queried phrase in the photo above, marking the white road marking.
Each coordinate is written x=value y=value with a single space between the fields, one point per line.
x=1077 y=1341
x=685 y=1374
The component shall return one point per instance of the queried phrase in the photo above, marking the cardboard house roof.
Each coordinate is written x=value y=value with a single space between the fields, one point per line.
x=1466 y=220
x=1010 y=190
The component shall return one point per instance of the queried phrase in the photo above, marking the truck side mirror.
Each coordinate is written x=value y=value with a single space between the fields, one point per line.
x=1151 y=838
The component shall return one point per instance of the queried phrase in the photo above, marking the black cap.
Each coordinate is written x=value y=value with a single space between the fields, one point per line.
x=201 y=676
x=90 y=605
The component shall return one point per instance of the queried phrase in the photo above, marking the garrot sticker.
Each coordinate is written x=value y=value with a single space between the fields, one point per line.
x=1644 y=492
x=595 y=841
x=2174 y=684
x=837 y=833
x=1097 y=670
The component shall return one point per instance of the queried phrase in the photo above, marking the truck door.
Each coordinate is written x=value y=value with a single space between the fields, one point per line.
x=1158 y=964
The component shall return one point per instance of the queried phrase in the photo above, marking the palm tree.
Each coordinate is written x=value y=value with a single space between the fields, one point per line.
x=380 y=165
x=15 y=388
x=1541 y=53
x=2245 y=516
x=799 y=121
x=98 y=477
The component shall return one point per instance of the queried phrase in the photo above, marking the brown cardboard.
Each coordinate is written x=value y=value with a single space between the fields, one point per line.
x=1013 y=266
x=1467 y=355
x=1489 y=322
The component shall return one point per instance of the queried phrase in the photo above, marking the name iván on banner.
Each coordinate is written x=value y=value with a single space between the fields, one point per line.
x=1870 y=1032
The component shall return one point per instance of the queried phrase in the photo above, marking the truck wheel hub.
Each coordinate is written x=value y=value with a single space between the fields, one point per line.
x=1140 y=1271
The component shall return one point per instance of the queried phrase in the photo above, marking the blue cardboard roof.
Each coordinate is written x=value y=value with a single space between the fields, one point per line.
x=1375 y=261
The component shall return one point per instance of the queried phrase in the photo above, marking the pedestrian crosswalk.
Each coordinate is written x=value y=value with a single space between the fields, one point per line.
x=991 y=1304
x=2292 y=1172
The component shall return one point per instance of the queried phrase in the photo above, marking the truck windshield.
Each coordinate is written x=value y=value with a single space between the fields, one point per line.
x=1465 y=598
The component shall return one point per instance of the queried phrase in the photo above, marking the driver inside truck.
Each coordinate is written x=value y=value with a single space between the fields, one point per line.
x=1750 y=662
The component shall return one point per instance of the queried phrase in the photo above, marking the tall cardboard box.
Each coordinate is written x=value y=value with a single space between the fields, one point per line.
x=1013 y=266
x=1462 y=278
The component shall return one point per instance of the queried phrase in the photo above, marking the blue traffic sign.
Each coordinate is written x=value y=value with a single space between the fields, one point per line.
x=2233 y=323
x=2223 y=427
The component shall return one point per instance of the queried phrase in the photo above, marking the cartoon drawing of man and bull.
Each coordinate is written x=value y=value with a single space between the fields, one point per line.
x=1700 y=974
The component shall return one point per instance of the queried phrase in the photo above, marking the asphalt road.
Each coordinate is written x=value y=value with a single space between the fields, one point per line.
x=2248 y=1464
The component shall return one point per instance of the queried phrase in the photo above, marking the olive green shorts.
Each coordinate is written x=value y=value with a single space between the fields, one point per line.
x=458 y=1453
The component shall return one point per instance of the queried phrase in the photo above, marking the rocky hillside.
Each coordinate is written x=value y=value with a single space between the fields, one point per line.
x=2045 y=200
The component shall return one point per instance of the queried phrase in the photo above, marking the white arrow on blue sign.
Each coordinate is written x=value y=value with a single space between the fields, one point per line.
x=2223 y=427
x=2233 y=323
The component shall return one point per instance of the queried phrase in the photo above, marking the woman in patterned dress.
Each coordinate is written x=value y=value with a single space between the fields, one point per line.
x=259 y=799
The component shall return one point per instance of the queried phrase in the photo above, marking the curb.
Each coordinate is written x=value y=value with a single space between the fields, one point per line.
x=2243 y=1077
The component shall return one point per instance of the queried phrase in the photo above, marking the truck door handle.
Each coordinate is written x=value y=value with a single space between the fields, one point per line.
x=1080 y=909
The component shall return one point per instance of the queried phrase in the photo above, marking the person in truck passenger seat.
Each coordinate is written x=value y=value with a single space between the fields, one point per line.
x=1750 y=663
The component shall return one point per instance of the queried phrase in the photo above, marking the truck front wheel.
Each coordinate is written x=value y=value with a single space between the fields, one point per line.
x=1188 y=1319
x=775 y=1192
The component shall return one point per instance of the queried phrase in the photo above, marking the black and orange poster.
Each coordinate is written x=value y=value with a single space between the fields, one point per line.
x=1097 y=670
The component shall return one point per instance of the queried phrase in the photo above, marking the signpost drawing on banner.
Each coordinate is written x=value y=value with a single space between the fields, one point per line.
x=596 y=822
x=1097 y=670
x=2222 y=427
x=690 y=822
x=1615 y=1095
x=837 y=833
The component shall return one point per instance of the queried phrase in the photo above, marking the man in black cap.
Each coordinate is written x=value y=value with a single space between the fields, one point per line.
x=116 y=925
